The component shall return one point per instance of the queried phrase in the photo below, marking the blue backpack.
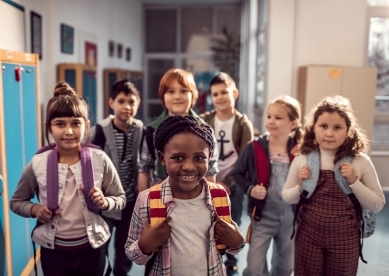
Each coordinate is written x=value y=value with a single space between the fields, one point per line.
x=309 y=185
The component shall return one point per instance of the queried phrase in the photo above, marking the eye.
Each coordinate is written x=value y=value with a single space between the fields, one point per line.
x=178 y=158
x=59 y=124
x=76 y=124
x=121 y=101
x=278 y=118
x=323 y=126
x=200 y=157
x=170 y=91
x=338 y=127
x=184 y=91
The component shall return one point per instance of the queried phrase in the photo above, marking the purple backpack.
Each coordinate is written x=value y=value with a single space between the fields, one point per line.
x=52 y=176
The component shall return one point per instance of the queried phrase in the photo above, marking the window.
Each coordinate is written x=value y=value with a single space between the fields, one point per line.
x=378 y=56
x=181 y=36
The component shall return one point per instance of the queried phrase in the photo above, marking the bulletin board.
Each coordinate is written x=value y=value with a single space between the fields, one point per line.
x=12 y=26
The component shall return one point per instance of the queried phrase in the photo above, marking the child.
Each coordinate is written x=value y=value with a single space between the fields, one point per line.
x=328 y=233
x=178 y=94
x=233 y=131
x=70 y=231
x=120 y=136
x=273 y=217
x=186 y=236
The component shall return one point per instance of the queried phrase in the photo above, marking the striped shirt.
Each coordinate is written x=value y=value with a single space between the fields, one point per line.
x=162 y=264
x=124 y=143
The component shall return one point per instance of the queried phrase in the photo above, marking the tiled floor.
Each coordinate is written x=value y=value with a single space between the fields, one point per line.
x=375 y=249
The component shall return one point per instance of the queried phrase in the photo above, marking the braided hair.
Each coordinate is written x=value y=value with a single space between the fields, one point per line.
x=177 y=124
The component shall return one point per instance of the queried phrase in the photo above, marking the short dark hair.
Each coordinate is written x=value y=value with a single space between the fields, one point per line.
x=124 y=86
x=223 y=78
x=177 y=124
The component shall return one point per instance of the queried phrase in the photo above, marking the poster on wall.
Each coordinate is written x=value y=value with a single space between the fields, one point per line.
x=36 y=34
x=90 y=53
x=67 y=39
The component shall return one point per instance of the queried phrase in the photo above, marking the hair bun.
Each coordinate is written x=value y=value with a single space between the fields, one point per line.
x=63 y=88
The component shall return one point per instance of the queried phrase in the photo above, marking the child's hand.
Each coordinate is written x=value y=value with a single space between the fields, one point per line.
x=42 y=213
x=228 y=233
x=348 y=172
x=98 y=198
x=154 y=236
x=258 y=192
x=304 y=173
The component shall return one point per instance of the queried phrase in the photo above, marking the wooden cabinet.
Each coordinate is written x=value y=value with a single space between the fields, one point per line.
x=83 y=79
x=112 y=75
x=20 y=138
x=356 y=83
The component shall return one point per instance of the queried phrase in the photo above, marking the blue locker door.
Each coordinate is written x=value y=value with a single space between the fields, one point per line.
x=15 y=162
x=30 y=131
x=112 y=78
x=89 y=93
x=2 y=240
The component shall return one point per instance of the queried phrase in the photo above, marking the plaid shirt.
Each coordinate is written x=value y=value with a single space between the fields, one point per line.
x=146 y=163
x=140 y=219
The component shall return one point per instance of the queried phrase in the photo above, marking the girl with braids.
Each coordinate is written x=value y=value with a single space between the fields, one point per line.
x=272 y=218
x=178 y=94
x=73 y=183
x=328 y=233
x=189 y=218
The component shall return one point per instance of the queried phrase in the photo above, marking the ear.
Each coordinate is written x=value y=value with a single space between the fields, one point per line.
x=236 y=93
x=294 y=124
x=161 y=158
x=111 y=102
x=138 y=102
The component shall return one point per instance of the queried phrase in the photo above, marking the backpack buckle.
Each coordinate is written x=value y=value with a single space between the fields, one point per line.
x=304 y=194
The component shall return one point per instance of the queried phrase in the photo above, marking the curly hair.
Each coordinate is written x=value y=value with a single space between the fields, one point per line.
x=177 y=124
x=356 y=141
x=66 y=103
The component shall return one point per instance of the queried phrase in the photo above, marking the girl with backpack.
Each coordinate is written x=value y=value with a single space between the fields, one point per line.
x=261 y=172
x=175 y=223
x=73 y=183
x=328 y=234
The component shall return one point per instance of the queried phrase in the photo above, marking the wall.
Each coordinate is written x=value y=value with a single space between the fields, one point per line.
x=97 y=21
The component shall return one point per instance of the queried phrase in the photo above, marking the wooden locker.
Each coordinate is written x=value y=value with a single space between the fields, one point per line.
x=356 y=83
x=83 y=79
x=20 y=138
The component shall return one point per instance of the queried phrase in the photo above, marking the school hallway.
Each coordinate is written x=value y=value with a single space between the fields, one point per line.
x=375 y=248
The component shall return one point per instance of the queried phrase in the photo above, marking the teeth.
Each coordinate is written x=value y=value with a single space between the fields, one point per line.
x=187 y=176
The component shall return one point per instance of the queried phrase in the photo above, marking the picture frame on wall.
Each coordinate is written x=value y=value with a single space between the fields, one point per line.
x=36 y=33
x=120 y=50
x=90 y=53
x=67 y=39
x=111 y=48
x=128 y=54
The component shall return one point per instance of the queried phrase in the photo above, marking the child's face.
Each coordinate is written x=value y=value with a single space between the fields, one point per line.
x=277 y=121
x=124 y=106
x=330 y=131
x=223 y=97
x=67 y=132
x=177 y=98
x=185 y=157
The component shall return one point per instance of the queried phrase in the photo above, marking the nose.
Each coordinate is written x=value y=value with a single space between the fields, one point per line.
x=69 y=131
x=188 y=165
x=329 y=132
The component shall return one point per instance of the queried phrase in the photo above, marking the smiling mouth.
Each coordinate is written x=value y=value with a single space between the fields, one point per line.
x=188 y=177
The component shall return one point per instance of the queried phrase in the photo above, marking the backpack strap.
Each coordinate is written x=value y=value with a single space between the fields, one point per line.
x=150 y=141
x=262 y=165
x=220 y=202
x=158 y=212
x=308 y=185
x=52 y=176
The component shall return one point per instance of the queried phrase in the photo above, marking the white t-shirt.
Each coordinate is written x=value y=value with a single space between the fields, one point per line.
x=227 y=152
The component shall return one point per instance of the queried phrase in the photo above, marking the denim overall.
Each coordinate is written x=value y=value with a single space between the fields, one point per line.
x=276 y=223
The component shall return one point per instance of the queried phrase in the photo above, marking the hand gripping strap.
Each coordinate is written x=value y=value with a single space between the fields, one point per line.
x=220 y=202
